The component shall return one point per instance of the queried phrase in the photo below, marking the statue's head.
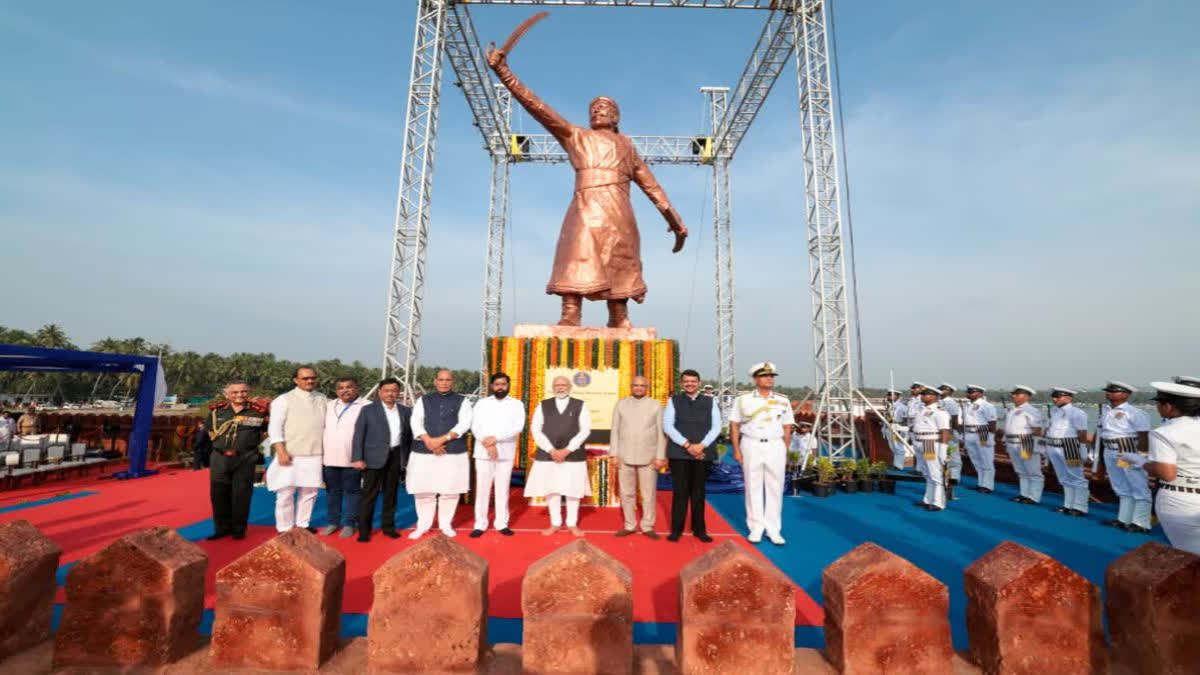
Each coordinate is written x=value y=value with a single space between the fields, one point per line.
x=603 y=113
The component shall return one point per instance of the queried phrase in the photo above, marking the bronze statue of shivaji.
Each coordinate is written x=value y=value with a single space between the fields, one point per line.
x=598 y=255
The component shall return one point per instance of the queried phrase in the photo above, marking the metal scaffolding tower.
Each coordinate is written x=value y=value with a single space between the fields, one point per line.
x=835 y=392
x=493 y=264
x=444 y=27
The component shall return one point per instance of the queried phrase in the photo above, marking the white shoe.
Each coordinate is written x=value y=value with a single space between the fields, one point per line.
x=755 y=537
x=417 y=534
x=449 y=532
x=776 y=539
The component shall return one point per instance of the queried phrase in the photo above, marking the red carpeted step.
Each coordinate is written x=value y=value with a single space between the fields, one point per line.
x=179 y=498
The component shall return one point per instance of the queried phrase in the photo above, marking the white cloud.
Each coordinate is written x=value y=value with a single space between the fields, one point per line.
x=200 y=80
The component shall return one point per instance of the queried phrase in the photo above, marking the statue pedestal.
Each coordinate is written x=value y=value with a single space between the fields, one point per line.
x=601 y=364
x=528 y=330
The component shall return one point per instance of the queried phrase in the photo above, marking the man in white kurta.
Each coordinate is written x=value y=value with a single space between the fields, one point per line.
x=496 y=423
x=438 y=469
x=560 y=427
x=295 y=430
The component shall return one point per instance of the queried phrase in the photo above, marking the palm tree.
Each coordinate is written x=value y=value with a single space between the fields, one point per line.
x=52 y=335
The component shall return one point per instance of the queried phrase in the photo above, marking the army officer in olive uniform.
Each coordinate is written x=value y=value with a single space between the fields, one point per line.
x=236 y=430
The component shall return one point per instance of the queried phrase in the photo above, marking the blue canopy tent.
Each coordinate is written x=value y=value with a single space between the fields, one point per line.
x=41 y=359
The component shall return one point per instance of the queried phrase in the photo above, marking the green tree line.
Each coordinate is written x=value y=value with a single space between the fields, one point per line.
x=188 y=373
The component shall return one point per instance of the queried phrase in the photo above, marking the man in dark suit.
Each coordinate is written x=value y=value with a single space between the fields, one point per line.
x=382 y=437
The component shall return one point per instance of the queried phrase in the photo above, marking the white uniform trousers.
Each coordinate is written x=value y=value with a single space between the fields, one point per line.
x=491 y=473
x=1179 y=514
x=763 y=463
x=1132 y=486
x=899 y=451
x=1029 y=471
x=954 y=461
x=919 y=460
x=934 y=465
x=983 y=458
x=1071 y=477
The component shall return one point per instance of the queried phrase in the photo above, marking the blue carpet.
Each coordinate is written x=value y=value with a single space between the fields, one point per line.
x=943 y=544
x=49 y=500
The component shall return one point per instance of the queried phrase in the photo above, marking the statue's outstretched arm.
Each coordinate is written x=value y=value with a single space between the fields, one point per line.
x=646 y=181
x=558 y=127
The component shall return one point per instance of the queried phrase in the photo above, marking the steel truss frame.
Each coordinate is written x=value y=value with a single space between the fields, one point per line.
x=444 y=29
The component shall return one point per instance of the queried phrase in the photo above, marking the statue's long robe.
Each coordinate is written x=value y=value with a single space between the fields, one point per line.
x=599 y=249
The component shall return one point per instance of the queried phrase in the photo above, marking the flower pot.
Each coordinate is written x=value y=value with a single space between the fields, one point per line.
x=887 y=486
x=849 y=486
x=866 y=485
x=822 y=489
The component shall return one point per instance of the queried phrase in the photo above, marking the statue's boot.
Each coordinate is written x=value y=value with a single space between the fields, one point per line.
x=618 y=313
x=571 y=310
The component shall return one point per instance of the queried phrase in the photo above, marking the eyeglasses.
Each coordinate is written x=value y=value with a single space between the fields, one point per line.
x=306 y=378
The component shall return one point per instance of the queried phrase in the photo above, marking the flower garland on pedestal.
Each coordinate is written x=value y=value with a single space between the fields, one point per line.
x=526 y=360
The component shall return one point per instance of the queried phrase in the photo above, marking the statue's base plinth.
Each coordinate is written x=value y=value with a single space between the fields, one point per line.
x=528 y=330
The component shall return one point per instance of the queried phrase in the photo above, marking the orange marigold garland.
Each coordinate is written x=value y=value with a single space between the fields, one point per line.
x=625 y=372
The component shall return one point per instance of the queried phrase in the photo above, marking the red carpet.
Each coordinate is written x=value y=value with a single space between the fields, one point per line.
x=179 y=498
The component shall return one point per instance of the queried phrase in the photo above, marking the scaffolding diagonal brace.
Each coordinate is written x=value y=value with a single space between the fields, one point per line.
x=473 y=77
x=767 y=61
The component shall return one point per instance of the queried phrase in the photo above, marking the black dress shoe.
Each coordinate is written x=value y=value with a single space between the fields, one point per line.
x=1112 y=523
x=1075 y=512
x=312 y=528
x=475 y=534
x=1020 y=499
x=507 y=532
x=920 y=505
x=674 y=536
x=391 y=534
x=1136 y=529
x=933 y=507
x=986 y=491
x=704 y=538
x=217 y=535
x=1061 y=509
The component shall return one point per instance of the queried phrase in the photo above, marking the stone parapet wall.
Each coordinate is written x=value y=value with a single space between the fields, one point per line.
x=279 y=606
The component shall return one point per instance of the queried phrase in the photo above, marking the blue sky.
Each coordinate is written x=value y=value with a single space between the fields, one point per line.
x=221 y=176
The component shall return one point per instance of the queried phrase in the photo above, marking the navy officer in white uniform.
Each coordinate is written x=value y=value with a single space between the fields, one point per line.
x=953 y=449
x=979 y=428
x=1125 y=429
x=760 y=425
x=1065 y=437
x=1022 y=428
x=931 y=435
x=1174 y=460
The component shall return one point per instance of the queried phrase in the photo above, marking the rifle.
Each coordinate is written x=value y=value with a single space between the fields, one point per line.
x=1097 y=445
